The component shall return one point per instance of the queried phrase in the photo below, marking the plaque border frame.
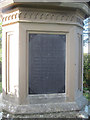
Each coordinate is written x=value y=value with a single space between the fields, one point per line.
x=43 y=96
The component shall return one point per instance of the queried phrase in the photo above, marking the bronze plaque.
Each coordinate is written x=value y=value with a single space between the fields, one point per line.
x=47 y=63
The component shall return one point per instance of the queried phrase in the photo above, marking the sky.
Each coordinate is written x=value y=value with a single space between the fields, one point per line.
x=85 y=49
x=85 y=36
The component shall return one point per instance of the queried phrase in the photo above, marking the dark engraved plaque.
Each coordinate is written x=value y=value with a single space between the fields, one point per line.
x=47 y=63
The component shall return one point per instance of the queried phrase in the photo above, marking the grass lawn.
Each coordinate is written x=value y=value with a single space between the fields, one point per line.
x=0 y=87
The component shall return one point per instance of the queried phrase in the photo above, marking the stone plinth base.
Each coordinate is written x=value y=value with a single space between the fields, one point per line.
x=1 y=105
x=49 y=110
x=74 y=114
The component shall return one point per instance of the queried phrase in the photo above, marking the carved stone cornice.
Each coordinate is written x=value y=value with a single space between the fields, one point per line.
x=42 y=16
x=10 y=17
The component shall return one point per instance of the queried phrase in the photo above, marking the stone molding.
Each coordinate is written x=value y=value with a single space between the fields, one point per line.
x=50 y=108
x=42 y=16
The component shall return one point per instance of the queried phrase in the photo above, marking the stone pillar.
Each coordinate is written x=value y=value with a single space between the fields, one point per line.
x=18 y=24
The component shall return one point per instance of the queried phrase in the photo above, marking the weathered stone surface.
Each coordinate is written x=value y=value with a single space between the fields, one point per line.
x=28 y=20
x=74 y=114
x=83 y=113
x=47 y=108
x=1 y=103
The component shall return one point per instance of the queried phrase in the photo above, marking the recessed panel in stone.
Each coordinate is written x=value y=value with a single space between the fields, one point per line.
x=47 y=63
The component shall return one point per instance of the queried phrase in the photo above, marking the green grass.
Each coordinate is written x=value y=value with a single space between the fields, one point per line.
x=0 y=87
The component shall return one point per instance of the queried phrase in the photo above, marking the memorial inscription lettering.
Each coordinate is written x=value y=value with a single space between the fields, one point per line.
x=47 y=63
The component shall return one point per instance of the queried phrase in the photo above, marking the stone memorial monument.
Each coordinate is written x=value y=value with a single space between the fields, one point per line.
x=42 y=70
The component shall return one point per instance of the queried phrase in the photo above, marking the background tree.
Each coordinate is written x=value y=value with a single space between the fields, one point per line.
x=0 y=41
x=86 y=65
x=0 y=51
